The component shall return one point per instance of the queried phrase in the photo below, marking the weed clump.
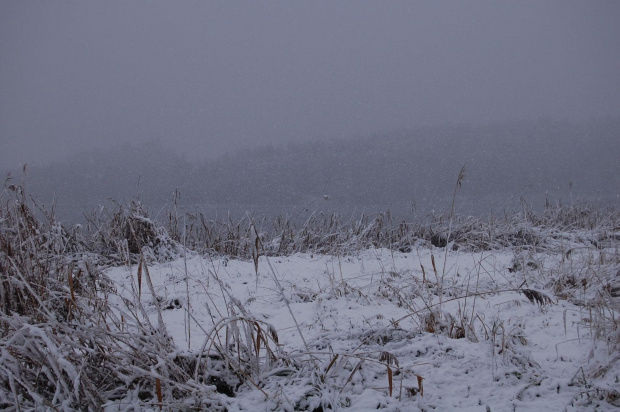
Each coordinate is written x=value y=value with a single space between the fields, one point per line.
x=63 y=344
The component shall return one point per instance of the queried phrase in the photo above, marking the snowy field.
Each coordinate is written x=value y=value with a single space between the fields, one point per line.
x=369 y=331
x=513 y=313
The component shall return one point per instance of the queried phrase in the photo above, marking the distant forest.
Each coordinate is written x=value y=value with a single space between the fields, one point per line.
x=403 y=169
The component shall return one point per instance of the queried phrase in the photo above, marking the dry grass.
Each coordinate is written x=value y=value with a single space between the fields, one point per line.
x=65 y=344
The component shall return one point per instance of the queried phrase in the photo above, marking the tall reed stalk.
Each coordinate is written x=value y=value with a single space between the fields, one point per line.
x=449 y=243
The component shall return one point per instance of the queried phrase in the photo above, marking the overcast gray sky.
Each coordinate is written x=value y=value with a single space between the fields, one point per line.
x=207 y=77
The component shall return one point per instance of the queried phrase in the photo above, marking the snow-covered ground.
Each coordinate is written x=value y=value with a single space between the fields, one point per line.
x=312 y=332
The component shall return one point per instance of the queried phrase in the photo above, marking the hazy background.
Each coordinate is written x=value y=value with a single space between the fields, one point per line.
x=94 y=81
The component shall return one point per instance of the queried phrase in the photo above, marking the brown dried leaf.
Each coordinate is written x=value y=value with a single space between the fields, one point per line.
x=538 y=297
x=388 y=358
x=274 y=334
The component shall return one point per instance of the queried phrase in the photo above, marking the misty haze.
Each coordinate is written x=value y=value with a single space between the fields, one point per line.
x=303 y=188
x=271 y=106
x=409 y=173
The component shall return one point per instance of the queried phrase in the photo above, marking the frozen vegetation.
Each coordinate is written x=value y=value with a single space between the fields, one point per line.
x=514 y=312
x=252 y=206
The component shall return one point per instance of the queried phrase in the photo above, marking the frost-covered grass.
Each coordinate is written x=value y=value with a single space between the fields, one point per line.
x=508 y=313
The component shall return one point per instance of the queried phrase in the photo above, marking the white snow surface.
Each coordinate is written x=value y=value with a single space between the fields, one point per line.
x=489 y=348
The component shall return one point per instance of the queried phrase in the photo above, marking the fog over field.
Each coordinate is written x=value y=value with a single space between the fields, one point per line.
x=281 y=103
x=409 y=172
x=274 y=106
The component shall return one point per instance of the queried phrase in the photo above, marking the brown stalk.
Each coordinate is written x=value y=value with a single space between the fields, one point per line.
x=352 y=373
x=420 y=386
x=160 y=396
x=139 y=279
x=390 y=383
